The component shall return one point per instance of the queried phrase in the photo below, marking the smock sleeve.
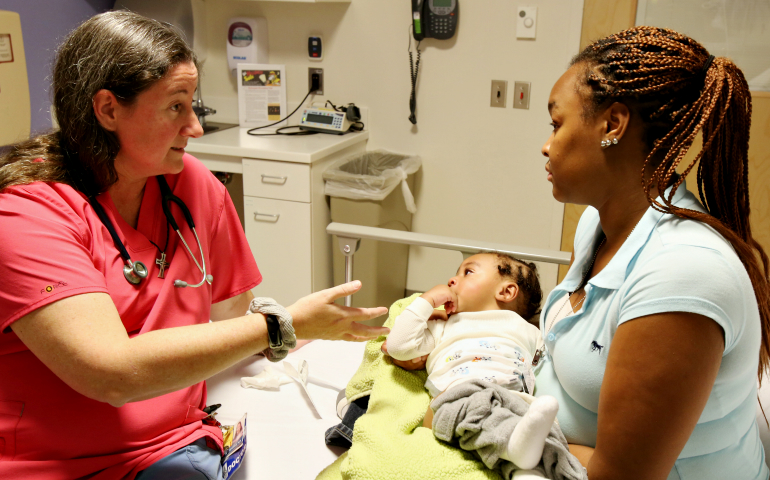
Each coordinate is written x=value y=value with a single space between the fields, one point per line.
x=46 y=252
x=232 y=256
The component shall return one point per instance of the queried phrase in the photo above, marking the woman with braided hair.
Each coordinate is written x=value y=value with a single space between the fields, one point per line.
x=654 y=340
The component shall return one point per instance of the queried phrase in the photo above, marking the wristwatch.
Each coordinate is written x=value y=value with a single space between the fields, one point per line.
x=280 y=332
x=274 y=336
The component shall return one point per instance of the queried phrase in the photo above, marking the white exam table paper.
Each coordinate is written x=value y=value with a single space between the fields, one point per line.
x=286 y=437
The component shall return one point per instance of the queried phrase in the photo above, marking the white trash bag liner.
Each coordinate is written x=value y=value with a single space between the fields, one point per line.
x=372 y=176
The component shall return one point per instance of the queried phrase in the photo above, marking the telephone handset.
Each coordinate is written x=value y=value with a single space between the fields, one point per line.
x=434 y=19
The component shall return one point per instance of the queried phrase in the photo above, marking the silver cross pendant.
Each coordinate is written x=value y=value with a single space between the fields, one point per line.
x=162 y=264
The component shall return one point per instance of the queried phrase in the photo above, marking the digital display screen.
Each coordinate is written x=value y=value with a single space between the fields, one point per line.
x=327 y=119
x=442 y=3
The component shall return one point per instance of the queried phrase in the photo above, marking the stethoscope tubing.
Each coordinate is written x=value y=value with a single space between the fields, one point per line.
x=206 y=278
x=136 y=271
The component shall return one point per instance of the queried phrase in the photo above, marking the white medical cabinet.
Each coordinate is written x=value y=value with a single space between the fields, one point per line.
x=284 y=207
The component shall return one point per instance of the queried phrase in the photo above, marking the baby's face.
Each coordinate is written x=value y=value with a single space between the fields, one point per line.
x=476 y=283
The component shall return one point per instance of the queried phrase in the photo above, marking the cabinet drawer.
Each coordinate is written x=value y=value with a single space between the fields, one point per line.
x=278 y=233
x=279 y=180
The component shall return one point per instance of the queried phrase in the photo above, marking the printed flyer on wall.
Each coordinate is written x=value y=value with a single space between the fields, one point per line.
x=261 y=94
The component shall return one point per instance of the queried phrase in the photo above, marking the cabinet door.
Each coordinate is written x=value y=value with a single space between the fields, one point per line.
x=278 y=233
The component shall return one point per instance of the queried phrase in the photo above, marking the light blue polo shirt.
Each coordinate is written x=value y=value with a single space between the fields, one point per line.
x=667 y=264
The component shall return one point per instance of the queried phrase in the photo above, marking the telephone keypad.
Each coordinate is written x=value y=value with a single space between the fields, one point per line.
x=442 y=25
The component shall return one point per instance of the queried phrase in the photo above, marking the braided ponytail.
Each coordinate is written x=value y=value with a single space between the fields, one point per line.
x=677 y=89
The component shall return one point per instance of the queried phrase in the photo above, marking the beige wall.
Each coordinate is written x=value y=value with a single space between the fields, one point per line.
x=759 y=168
x=483 y=175
x=602 y=18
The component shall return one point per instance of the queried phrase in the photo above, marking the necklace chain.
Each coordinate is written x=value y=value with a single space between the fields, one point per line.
x=541 y=351
x=582 y=285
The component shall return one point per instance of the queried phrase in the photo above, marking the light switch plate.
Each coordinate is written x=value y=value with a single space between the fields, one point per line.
x=499 y=90
x=526 y=22
x=521 y=95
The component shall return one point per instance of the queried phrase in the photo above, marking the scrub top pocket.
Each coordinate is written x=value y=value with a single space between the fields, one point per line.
x=10 y=414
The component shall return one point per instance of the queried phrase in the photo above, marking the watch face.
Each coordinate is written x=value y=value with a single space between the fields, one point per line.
x=274 y=337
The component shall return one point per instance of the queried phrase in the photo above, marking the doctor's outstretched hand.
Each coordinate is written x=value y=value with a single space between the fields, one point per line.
x=317 y=316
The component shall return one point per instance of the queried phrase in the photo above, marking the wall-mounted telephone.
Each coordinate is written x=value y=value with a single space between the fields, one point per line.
x=434 y=19
x=430 y=19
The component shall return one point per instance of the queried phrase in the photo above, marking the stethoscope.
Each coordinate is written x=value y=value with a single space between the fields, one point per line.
x=136 y=271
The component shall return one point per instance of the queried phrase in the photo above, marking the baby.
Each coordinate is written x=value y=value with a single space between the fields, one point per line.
x=479 y=372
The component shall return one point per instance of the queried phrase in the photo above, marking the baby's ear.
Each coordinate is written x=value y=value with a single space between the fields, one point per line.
x=507 y=292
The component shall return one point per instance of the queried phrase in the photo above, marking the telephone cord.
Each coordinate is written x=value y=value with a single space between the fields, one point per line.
x=414 y=70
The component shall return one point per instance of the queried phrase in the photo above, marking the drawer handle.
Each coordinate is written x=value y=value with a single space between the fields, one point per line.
x=280 y=180
x=273 y=217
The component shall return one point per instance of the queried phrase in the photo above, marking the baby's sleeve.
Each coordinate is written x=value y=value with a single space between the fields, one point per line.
x=410 y=337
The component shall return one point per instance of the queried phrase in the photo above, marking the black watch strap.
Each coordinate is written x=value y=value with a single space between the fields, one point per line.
x=274 y=336
x=281 y=337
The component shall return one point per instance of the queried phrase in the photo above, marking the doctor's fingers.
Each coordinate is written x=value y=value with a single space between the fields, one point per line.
x=357 y=314
x=354 y=338
x=342 y=290
x=360 y=330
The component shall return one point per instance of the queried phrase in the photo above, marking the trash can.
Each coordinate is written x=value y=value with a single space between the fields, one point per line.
x=361 y=190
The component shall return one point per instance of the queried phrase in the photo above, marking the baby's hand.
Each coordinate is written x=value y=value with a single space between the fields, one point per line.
x=442 y=295
x=439 y=315
x=413 y=364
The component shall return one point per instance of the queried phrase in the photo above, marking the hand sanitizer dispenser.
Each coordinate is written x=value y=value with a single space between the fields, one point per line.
x=246 y=41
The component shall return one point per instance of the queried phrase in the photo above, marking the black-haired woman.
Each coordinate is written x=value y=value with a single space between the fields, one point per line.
x=654 y=340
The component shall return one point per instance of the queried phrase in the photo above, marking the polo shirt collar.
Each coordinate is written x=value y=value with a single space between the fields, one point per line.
x=614 y=274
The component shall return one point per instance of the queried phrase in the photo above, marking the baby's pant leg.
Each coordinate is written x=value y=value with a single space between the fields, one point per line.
x=481 y=415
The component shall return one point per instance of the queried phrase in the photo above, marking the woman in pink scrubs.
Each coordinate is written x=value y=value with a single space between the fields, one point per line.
x=99 y=377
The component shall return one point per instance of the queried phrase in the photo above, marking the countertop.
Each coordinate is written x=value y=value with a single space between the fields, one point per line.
x=235 y=142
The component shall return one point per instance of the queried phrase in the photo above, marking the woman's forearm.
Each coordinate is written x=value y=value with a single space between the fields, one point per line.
x=82 y=340
x=167 y=360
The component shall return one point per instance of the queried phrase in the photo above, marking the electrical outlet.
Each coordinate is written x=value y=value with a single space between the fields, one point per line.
x=521 y=95
x=497 y=97
x=316 y=71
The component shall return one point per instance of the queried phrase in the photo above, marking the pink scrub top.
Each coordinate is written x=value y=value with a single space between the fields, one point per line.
x=53 y=247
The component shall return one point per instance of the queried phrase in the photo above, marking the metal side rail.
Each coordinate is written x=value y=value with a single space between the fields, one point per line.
x=349 y=238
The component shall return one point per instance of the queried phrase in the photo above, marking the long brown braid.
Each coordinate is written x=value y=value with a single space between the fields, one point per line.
x=677 y=89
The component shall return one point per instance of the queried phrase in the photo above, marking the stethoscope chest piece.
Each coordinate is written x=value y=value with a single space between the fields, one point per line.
x=134 y=272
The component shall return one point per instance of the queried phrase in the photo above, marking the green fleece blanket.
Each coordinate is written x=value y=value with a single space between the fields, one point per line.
x=389 y=441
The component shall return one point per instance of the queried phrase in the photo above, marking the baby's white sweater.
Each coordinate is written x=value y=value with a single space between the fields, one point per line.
x=494 y=345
